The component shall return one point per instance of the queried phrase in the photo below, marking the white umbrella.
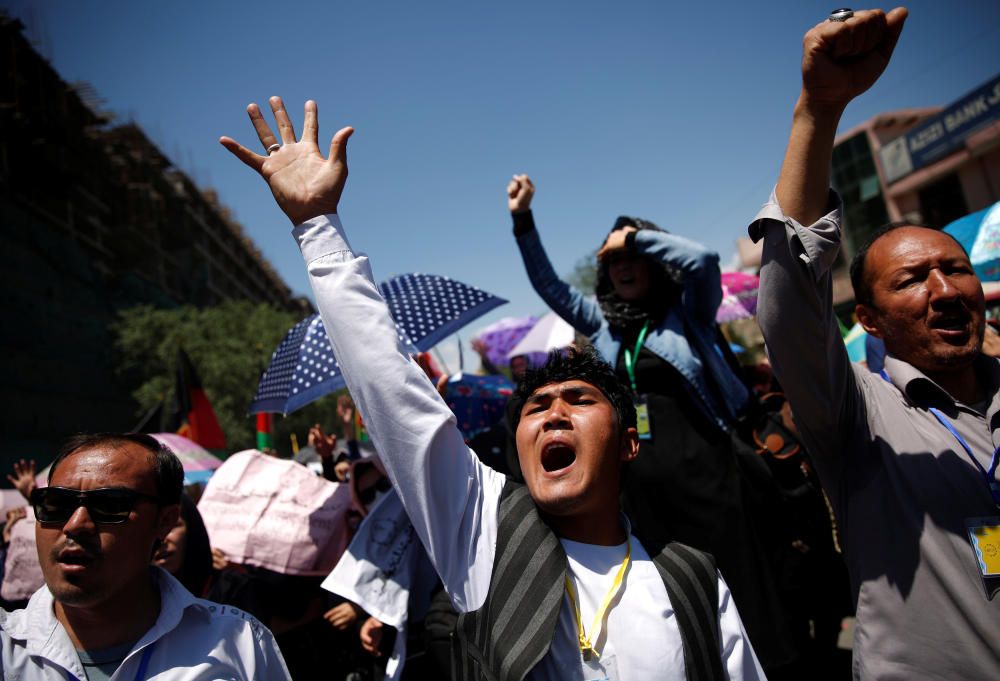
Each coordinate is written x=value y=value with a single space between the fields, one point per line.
x=550 y=333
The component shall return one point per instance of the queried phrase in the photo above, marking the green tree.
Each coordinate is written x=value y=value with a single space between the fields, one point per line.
x=229 y=345
x=584 y=274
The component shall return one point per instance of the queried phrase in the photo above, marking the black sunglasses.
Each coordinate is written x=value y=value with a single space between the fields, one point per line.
x=106 y=506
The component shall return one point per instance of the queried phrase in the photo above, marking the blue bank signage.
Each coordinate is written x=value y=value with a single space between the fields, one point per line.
x=942 y=133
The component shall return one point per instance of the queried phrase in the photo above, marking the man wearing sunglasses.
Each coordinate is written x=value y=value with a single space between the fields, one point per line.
x=105 y=612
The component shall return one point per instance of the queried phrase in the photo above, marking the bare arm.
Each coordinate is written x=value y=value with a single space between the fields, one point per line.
x=801 y=235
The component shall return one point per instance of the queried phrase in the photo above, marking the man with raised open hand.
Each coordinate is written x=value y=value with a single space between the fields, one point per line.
x=550 y=581
x=908 y=457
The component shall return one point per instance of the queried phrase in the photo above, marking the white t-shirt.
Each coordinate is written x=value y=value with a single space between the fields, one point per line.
x=452 y=499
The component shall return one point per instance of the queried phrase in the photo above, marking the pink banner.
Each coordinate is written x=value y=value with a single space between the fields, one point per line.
x=276 y=514
x=22 y=572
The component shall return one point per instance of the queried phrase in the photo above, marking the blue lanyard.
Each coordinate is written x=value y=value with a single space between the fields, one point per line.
x=140 y=673
x=989 y=475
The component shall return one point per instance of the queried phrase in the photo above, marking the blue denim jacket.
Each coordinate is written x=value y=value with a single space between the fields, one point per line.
x=694 y=353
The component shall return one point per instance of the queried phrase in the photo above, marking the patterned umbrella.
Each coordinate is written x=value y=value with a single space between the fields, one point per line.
x=500 y=337
x=739 y=297
x=550 y=333
x=199 y=463
x=427 y=308
x=979 y=233
x=477 y=401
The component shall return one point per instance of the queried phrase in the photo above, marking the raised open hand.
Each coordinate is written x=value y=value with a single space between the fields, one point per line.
x=303 y=182
x=24 y=477
x=520 y=190
x=840 y=60
x=345 y=410
x=321 y=442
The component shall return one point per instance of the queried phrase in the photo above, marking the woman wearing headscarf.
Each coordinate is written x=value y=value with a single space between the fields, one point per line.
x=185 y=552
x=653 y=320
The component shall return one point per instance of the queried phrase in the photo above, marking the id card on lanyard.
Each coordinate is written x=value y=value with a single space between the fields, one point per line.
x=643 y=424
x=984 y=532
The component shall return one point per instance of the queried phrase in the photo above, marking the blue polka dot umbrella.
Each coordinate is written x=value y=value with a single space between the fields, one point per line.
x=427 y=308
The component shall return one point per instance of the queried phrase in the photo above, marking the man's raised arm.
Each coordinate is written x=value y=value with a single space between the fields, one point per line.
x=445 y=491
x=800 y=226
x=840 y=60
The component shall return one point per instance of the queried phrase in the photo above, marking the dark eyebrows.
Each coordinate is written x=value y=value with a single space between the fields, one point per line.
x=571 y=391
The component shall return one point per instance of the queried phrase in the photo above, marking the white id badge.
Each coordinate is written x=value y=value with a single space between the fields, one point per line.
x=603 y=668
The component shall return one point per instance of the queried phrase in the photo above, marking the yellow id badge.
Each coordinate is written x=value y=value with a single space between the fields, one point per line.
x=642 y=419
x=984 y=533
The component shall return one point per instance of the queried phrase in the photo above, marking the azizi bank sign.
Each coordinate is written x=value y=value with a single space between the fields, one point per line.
x=942 y=133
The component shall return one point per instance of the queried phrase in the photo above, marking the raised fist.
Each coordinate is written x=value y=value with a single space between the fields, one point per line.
x=519 y=193
x=842 y=59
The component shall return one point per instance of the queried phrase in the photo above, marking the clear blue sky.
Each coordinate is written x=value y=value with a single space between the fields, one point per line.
x=673 y=112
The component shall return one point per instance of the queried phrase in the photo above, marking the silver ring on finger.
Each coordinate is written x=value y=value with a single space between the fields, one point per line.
x=273 y=148
x=840 y=15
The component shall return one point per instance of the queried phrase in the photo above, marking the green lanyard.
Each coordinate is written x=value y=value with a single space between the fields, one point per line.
x=632 y=359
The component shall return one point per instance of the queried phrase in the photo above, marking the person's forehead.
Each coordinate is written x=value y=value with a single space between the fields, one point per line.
x=559 y=387
x=108 y=465
x=914 y=244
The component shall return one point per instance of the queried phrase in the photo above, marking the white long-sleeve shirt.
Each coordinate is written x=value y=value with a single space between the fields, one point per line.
x=452 y=499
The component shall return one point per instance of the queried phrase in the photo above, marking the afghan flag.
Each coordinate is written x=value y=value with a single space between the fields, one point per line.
x=193 y=415
x=265 y=431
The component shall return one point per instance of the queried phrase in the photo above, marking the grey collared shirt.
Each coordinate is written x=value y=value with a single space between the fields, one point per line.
x=900 y=484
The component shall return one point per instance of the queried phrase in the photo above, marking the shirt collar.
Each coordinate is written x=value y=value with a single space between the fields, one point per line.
x=920 y=389
x=44 y=636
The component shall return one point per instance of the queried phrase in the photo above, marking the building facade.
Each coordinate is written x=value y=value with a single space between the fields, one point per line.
x=928 y=166
x=94 y=218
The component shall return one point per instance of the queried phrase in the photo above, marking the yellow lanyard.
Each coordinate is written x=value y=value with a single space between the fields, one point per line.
x=587 y=643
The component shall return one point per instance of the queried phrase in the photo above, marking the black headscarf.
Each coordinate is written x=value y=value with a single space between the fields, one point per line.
x=628 y=317
x=197 y=563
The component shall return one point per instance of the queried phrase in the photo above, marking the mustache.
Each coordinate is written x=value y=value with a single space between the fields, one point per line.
x=91 y=547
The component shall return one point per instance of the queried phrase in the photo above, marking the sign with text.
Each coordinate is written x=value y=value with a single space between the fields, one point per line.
x=276 y=514
x=942 y=133
x=22 y=571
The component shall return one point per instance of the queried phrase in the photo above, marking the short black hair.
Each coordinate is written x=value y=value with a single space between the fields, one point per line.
x=575 y=365
x=860 y=281
x=168 y=468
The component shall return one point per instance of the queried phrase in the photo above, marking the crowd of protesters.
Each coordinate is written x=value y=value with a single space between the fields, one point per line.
x=646 y=509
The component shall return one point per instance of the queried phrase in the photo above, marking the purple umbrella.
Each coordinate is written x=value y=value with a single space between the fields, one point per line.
x=500 y=337
x=739 y=297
